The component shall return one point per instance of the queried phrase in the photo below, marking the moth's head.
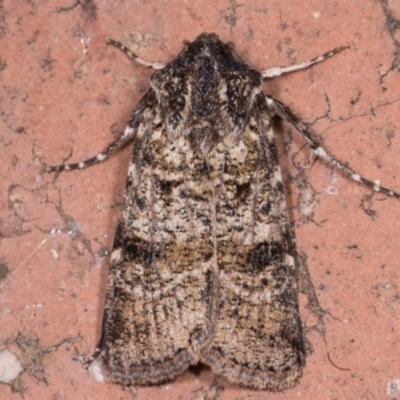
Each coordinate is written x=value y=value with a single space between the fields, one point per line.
x=210 y=45
x=206 y=86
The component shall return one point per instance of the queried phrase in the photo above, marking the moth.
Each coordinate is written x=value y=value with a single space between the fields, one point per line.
x=203 y=264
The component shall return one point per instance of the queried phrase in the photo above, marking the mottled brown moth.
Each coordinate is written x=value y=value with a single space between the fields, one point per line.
x=203 y=264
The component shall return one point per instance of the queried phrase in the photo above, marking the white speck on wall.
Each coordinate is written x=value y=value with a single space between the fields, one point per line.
x=332 y=190
x=54 y=253
x=393 y=387
x=307 y=202
x=10 y=367
x=96 y=370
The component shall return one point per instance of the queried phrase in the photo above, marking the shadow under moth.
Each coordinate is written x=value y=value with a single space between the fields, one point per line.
x=203 y=264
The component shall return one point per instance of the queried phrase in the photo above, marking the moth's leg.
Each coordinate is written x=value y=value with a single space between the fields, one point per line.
x=277 y=71
x=133 y=56
x=94 y=160
x=278 y=109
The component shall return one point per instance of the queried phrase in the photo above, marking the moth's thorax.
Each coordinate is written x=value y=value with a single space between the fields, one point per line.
x=206 y=87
